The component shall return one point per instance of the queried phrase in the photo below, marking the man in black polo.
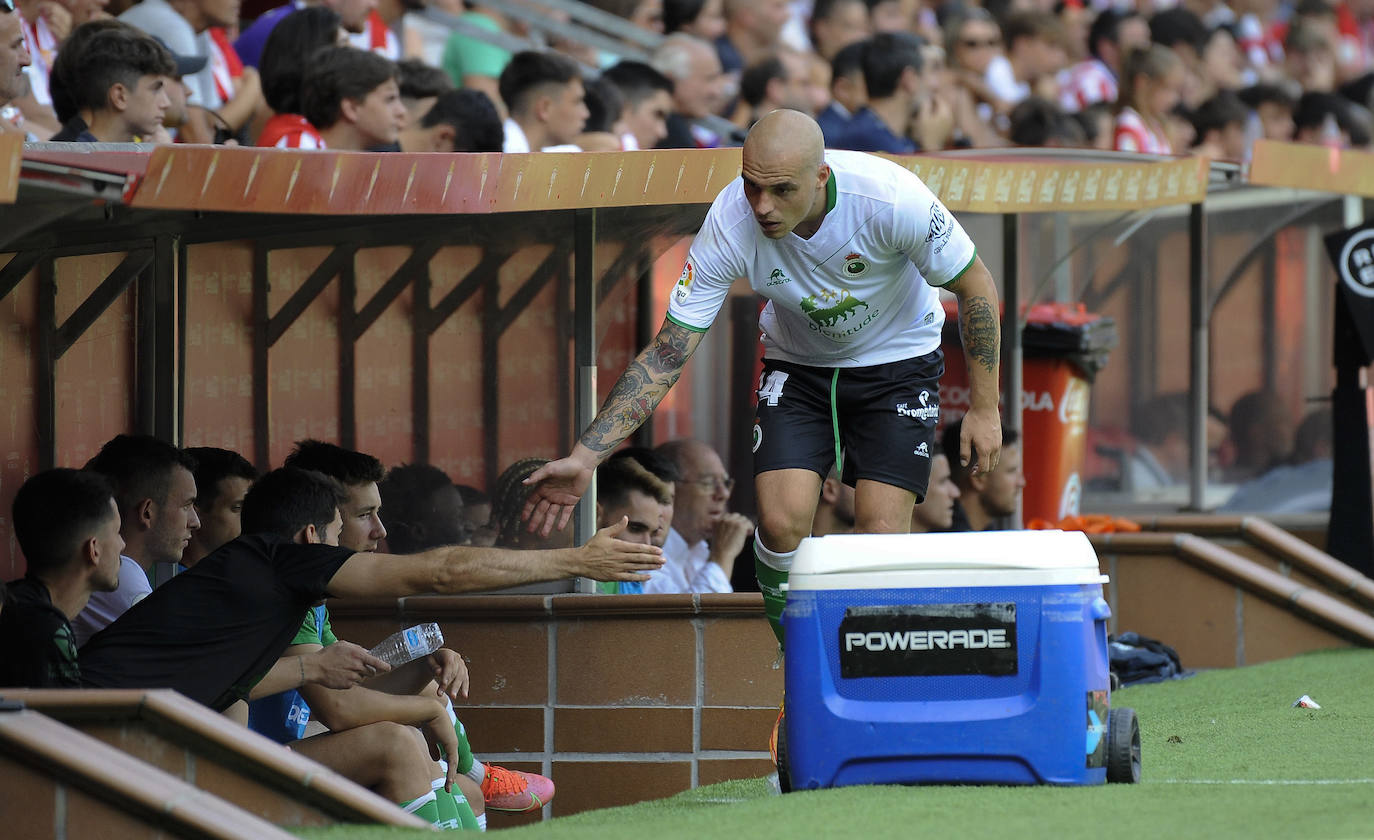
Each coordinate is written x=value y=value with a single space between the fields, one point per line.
x=67 y=525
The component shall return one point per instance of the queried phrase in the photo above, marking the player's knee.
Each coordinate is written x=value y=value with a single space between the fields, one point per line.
x=782 y=533
x=881 y=525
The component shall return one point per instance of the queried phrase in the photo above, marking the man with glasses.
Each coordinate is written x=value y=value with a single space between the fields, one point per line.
x=14 y=56
x=705 y=539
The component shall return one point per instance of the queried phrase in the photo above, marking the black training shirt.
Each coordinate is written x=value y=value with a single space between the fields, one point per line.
x=37 y=646
x=212 y=631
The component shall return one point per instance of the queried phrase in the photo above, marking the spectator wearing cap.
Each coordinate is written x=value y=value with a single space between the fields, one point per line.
x=184 y=26
x=353 y=99
x=121 y=94
x=179 y=92
x=544 y=95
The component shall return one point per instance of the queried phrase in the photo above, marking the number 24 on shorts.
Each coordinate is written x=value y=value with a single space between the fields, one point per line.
x=770 y=386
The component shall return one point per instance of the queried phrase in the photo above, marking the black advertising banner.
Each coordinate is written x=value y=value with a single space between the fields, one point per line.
x=1350 y=531
x=926 y=640
x=1352 y=253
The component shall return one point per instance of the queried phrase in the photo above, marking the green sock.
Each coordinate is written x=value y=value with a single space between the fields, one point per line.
x=425 y=807
x=448 y=809
x=770 y=582
x=464 y=748
x=466 y=818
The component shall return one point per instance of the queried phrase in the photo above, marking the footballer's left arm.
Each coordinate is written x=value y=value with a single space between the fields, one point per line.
x=980 y=330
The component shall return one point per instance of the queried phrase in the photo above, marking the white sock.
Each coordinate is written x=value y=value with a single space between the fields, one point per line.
x=482 y=820
x=771 y=558
x=478 y=771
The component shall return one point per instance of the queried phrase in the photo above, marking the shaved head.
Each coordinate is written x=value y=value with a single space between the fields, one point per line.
x=785 y=136
x=785 y=175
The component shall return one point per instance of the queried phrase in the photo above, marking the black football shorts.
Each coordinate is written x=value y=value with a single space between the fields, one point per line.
x=876 y=422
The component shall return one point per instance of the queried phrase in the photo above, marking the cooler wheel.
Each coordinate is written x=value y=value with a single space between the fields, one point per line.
x=1123 y=747
x=784 y=777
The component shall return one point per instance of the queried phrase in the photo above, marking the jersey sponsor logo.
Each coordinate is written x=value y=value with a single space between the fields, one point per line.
x=929 y=319
x=928 y=640
x=683 y=289
x=829 y=307
x=937 y=237
x=777 y=278
x=855 y=265
x=925 y=412
x=921 y=449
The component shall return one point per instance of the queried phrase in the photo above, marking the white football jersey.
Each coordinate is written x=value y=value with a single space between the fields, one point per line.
x=859 y=292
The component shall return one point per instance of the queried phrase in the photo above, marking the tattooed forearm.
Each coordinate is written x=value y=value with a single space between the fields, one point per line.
x=979 y=330
x=641 y=387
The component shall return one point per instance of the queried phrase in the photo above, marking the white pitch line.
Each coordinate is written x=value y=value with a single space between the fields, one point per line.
x=1263 y=781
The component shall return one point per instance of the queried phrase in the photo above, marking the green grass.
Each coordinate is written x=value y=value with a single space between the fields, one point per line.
x=1224 y=753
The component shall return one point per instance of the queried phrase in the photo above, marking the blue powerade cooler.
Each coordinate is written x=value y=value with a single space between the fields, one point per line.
x=950 y=659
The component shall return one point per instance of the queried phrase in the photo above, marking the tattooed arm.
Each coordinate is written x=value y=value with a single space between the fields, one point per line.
x=560 y=484
x=979 y=327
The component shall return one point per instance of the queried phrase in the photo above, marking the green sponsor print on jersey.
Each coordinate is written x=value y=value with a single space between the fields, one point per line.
x=834 y=306
x=777 y=278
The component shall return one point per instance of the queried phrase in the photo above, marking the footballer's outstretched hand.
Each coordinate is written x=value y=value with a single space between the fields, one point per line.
x=557 y=488
x=605 y=557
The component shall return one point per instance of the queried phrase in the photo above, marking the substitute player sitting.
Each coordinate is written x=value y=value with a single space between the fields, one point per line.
x=849 y=249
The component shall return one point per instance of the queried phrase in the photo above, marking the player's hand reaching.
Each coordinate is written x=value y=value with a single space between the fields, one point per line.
x=605 y=557
x=980 y=440
x=557 y=488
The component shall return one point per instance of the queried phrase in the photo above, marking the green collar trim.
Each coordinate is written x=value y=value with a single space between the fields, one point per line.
x=830 y=192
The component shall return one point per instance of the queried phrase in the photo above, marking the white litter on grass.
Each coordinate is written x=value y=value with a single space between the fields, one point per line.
x=1262 y=781
x=1305 y=702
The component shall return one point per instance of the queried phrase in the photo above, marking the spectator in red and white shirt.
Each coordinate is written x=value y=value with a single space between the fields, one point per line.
x=1112 y=35
x=377 y=37
x=285 y=57
x=1151 y=85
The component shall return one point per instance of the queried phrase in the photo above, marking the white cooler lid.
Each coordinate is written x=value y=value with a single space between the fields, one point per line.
x=989 y=550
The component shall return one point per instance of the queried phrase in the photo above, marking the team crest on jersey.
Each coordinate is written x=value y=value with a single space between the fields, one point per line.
x=829 y=307
x=855 y=265
x=938 y=234
x=684 y=283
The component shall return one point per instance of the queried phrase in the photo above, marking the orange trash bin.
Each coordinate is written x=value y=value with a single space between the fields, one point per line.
x=1064 y=347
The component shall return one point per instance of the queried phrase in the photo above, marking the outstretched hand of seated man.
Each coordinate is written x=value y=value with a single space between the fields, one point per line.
x=341 y=665
x=556 y=489
x=605 y=557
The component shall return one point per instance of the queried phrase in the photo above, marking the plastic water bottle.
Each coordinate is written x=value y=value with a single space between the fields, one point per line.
x=409 y=644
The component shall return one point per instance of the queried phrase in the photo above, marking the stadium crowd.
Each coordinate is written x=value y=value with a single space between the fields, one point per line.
x=1168 y=76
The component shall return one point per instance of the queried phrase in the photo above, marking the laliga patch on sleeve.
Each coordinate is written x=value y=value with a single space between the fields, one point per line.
x=928 y=640
x=683 y=289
